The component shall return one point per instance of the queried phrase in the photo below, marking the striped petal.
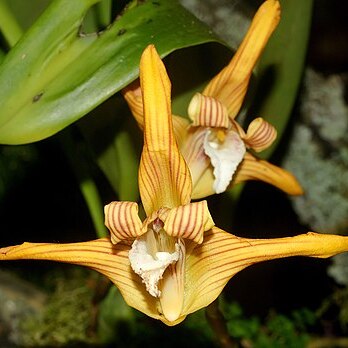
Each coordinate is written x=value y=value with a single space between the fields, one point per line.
x=133 y=97
x=122 y=219
x=209 y=265
x=207 y=112
x=212 y=264
x=164 y=178
x=188 y=221
x=252 y=168
x=230 y=85
x=260 y=135
x=100 y=255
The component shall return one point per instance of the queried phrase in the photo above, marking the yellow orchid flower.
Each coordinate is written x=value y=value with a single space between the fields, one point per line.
x=213 y=144
x=175 y=261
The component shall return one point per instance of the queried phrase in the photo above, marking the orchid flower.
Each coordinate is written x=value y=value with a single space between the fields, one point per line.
x=214 y=145
x=175 y=261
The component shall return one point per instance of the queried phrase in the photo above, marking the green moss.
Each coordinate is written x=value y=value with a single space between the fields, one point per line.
x=67 y=316
x=275 y=331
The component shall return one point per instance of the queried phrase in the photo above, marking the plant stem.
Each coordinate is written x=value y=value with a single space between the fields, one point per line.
x=91 y=195
x=9 y=26
x=103 y=10
x=217 y=322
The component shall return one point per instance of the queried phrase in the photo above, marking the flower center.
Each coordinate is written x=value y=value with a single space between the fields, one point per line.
x=151 y=254
x=220 y=135
x=226 y=150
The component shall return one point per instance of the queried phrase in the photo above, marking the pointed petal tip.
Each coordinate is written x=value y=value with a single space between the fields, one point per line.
x=172 y=315
x=230 y=85
x=297 y=190
x=164 y=178
x=272 y=5
x=173 y=322
x=253 y=168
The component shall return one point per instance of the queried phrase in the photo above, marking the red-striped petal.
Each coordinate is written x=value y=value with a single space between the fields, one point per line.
x=230 y=85
x=100 y=255
x=164 y=178
x=213 y=263
x=188 y=221
x=253 y=168
x=122 y=219
x=207 y=112
x=260 y=135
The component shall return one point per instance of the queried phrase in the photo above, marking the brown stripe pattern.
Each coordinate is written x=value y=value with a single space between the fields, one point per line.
x=252 y=168
x=133 y=97
x=208 y=266
x=122 y=219
x=164 y=178
x=189 y=221
x=207 y=112
x=230 y=85
x=222 y=255
x=100 y=255
x=260 y=135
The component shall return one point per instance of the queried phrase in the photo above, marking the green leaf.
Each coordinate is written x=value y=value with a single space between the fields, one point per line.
x=103 y=12
x=26 y=12
x=9 y=26
x=2 y=55
x=281 y=66
x=54 y=75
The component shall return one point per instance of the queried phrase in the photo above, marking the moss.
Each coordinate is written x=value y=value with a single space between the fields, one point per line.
x=277 y=330
x=66 y=317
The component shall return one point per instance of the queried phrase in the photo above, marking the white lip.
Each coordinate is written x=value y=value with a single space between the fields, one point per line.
x=150 y=267
x=224 y=156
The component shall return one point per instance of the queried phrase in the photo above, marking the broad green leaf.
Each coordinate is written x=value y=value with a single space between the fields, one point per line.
x=55 y=75
x=2 y=55
x=26 y=12
x=281 y=66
